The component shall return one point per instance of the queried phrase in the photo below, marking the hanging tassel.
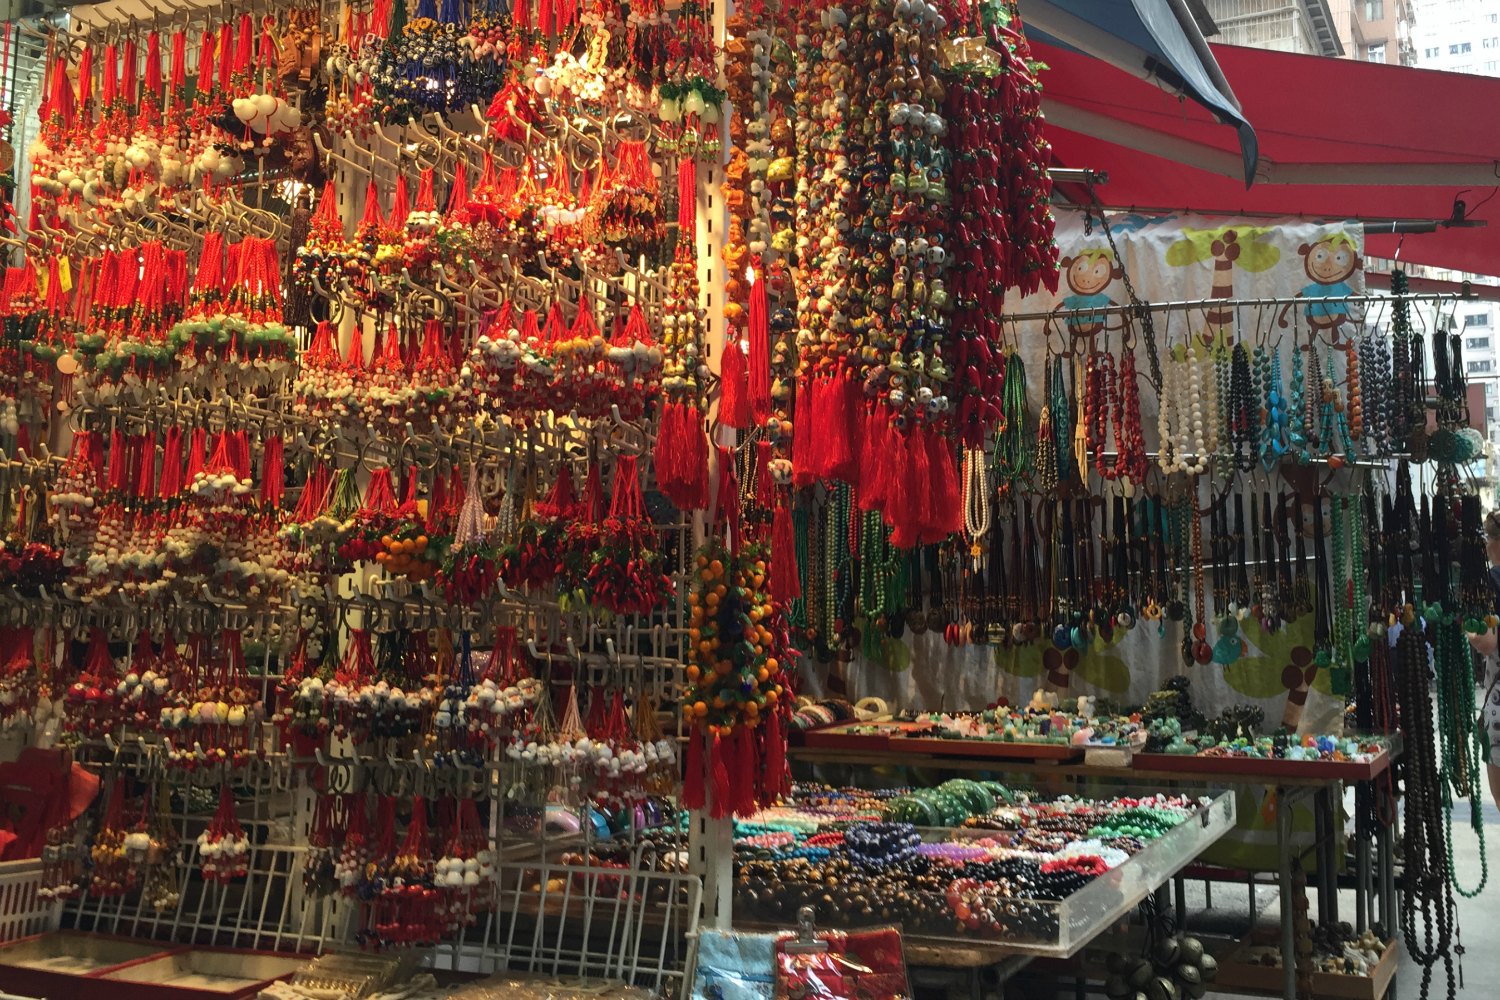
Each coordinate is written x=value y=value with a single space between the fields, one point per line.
x=758 y=360
x=918 y=472
x=272 y=473
x=723 y=801
x=842 y=406
x=435 y=504
x=785 y=577
x=802 y=474
x=226 y=57
x=400 y=205
x=692 y=772
x=874 y=446
x=745 y=772
x=85 y=81
x=171 y=463
x=898 y=499
x=773 y=759
x=458 y=196
x=733 y=406
x=765 y=486
x=947 y=506
x=197 y=455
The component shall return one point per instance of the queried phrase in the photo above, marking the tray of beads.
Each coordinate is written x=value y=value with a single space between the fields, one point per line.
x=1039 y=879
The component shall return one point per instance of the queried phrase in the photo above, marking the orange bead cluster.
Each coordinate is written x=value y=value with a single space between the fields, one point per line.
x=736 y=639
x=406 y=554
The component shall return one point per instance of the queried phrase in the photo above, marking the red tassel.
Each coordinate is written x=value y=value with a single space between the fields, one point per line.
x=759 y=358
x=946 y=515
x=874 y=444
x=723 y=802
x=765 y=486
x=786 y=583
x=842 y=460
x=773 y=758
x=692 y=461
x=692 y=773
x=733 y=406
x=436 y=503
x=197 y=455
x=745 y=769
x=918 y=473
x=898 y=499
x=802 y=473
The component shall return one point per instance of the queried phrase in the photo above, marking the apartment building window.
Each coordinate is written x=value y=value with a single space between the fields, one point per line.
x=1477 y=319
x=1374 y=10
x=1460 y=48
x=1495 y=18
x=1491 y=66
x=1481 y=367
x=1375 y=53
x=1477 y=343
x=1431 y=53
x=1490 y=43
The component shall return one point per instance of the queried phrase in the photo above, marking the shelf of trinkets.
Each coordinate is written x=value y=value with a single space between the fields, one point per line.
x=1356 y=966
x=1043 y=728
x=1309 y=756
x=1040 y=876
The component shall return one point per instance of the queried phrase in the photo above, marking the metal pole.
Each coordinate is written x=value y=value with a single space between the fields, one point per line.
x=1284 y=883
x=1205 y=304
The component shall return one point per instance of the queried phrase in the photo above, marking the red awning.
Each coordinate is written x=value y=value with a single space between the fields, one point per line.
x=1338 y=139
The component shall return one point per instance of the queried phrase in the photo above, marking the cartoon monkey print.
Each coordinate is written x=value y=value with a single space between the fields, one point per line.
x=1088 y=274
x=1330 y=263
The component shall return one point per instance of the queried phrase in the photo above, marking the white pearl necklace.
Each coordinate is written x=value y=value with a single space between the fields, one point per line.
x=1185 y=419
x=976 y=497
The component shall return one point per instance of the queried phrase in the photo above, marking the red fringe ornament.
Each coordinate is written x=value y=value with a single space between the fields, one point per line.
x=758 y=360
x=786 y=583
x=692 y=773
x=745 y=783
x=773 y=759
x=733 y=404
x=723 y=800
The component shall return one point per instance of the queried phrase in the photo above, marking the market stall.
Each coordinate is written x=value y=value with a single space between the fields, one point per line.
x=462 y=461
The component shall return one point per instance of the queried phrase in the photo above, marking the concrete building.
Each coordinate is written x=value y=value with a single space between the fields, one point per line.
x=1305 y=26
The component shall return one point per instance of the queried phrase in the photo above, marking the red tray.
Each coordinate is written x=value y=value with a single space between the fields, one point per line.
x=1258 y=767
x=996 y=749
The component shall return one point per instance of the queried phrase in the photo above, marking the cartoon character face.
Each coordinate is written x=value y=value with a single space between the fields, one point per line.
x=1330 y=260
x=1090 y=273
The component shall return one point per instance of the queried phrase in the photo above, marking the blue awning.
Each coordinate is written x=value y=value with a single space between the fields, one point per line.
x=1155 y=40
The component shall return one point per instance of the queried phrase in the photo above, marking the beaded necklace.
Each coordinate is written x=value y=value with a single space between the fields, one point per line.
x=1276 y=435
x=1201 y=651
x=1375 y=375
x=1186 y=417
x=1302 y=590
x=1242 y=589
x=1013 y=444
x=1244 y=420
x=1223 y=430
x=1342 y=653
x=1334 y=430
x=1425 y=846
x=1297 y=429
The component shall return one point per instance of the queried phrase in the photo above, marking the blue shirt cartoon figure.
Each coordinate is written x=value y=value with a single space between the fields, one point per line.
x=1330 y=263
x=1088 y=274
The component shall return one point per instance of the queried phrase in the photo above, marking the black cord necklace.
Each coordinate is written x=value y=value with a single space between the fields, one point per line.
x=1425 y=851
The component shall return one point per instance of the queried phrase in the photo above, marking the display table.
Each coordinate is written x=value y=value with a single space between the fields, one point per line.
x=1317 y=783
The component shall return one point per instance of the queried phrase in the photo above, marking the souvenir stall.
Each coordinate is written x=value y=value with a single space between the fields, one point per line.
x=462 y=461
